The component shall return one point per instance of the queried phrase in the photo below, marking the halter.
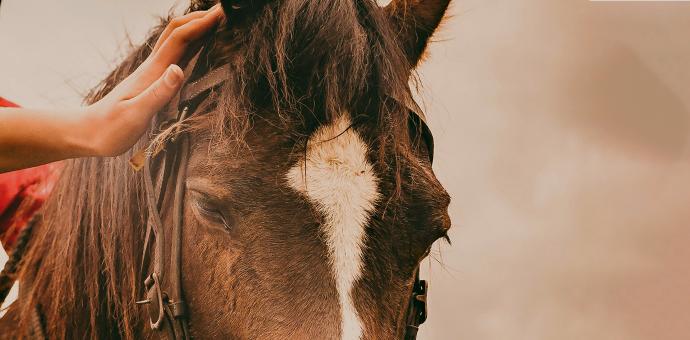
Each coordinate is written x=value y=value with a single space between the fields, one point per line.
x=168 y=306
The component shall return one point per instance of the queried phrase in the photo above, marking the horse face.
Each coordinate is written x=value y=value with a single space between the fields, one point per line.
x=305 y=247
x=320 y=243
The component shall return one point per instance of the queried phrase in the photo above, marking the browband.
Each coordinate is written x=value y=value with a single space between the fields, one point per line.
x=209 y=81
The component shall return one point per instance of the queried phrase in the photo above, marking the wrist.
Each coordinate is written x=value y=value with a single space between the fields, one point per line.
x=83 y=139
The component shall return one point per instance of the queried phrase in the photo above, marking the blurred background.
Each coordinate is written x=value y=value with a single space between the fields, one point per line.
x=562 y=133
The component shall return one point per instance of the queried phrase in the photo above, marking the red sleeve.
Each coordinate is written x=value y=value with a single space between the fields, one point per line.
x=22 y=193
x=6 y=103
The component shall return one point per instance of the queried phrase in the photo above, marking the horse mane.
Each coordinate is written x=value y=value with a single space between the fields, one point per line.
x=82 y=266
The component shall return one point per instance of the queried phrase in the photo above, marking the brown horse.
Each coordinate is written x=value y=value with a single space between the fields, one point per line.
x=310 y=194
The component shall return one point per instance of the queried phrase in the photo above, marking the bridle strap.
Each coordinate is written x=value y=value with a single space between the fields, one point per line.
x=170 y=306
x=214 y=78
x=177 y=305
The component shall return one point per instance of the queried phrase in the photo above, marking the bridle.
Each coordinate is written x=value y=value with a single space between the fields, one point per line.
x=168 y=307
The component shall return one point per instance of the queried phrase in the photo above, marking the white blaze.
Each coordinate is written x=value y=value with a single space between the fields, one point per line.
x=342 y=185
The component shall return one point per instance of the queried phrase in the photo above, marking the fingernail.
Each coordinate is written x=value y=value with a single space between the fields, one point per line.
x=173 y=75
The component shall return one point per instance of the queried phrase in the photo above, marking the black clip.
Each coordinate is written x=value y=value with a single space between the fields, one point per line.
x=419 y=295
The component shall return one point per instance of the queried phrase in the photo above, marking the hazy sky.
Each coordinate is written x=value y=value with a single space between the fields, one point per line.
x=561 y=130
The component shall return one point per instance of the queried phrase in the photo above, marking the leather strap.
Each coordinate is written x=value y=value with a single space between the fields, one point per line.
x=177 y=303
x=209 y=81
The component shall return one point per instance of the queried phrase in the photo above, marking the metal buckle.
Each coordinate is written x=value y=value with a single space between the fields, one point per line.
x=152 y=282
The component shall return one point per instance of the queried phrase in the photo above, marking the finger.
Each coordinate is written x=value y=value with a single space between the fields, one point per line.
x=175 y=23
x=174 y=46
x=181 y=21
x=156 y=96
x=170 y=52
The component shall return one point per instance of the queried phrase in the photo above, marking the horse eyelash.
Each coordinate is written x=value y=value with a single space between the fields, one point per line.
x=446 y=238
x=203 y=206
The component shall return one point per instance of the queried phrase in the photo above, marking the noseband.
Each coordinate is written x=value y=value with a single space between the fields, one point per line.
x=167 y=306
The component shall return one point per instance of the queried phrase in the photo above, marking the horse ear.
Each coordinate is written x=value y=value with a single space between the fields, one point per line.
x=416 y=20
x=240 y=10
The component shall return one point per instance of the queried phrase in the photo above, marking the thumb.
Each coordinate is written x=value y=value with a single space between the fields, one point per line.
x=158 y=94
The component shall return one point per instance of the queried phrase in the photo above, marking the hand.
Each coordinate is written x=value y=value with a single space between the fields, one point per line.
x=30 y=137
x=114 y=123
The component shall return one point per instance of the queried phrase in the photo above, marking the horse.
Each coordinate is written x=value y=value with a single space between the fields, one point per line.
x=309 y=196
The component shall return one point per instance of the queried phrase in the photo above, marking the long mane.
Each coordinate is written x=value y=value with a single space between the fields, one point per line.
x=82 y=265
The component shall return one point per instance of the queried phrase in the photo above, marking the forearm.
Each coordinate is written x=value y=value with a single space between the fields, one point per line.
x=30 y=137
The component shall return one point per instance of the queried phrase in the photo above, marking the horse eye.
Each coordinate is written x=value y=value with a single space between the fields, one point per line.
x=211 y=212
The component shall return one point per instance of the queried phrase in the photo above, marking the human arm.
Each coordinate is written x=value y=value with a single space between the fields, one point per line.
x=109 y=127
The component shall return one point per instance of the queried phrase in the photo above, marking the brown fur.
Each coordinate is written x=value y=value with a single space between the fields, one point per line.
x=297 y=64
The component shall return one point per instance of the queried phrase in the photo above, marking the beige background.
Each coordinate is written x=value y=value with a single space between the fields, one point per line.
x=562 y=134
